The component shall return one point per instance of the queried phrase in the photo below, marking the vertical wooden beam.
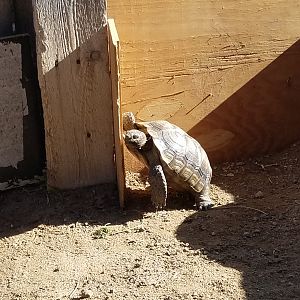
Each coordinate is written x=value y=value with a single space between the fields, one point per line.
x=73 y=65
x=114 y=54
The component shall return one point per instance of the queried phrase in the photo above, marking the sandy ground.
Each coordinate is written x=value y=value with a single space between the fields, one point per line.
x=79 y=245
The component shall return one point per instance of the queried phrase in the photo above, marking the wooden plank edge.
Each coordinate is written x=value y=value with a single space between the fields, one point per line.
x=114 y=55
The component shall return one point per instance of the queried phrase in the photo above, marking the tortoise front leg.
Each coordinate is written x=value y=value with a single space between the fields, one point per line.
x=158 y=184
x=203 y=200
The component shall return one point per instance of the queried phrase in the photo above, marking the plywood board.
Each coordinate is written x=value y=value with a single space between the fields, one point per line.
x=114 y=53
x=182 y=60
x=21 y=147
x=13 y=105
x=74 y=78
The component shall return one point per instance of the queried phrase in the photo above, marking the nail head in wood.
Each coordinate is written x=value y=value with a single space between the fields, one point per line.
x=95 y=55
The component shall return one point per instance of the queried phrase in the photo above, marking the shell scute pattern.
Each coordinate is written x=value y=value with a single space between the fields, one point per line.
x=186 y=172
x=182 y=154
x=177 y=164
x=194 y=179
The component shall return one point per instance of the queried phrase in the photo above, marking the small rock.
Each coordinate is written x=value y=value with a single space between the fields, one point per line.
x=86 y=294
x=230 y=174
x=246 y=234
x=99 y=203
x=213 y=233
x=190 y=220
x=56 y=270
x=259 y=194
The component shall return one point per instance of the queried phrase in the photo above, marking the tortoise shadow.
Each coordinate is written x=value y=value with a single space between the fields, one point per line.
x=259 y=237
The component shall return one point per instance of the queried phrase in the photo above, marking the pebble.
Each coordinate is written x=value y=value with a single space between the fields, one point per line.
x=86 y=294
x=259 y=194
x=140 y=229
x=246 y=233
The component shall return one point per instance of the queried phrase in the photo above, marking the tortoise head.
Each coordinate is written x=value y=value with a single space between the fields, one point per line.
x=128 y=120
x=135 y=139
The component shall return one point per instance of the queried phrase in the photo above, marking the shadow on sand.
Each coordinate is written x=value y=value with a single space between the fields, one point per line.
x=257 y=236
x=23 y=209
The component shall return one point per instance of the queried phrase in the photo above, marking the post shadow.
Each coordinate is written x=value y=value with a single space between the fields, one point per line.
x=261 y=117
x=25 y=208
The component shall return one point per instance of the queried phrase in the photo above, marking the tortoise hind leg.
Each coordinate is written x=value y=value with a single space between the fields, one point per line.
x=158 y=184
x=203 y=200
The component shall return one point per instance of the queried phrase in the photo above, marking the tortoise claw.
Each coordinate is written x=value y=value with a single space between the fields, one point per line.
x=205 y=205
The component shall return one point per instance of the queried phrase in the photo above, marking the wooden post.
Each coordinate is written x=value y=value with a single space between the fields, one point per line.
x=114 y=50
x=73 y=65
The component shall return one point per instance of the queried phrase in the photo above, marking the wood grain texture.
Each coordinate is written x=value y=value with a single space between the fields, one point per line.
x=13 y=105
x=114 y=53
x=21 y=147
x=181 y=60
x=74 y=78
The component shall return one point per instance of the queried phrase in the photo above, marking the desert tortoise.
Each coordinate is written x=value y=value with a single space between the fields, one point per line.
x=172 y=157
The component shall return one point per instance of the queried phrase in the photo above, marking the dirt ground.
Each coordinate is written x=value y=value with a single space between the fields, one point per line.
x=79 y=245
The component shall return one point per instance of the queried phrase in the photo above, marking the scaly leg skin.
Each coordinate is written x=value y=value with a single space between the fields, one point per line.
x=203 y=201
x=158 y=184
x=128 y=121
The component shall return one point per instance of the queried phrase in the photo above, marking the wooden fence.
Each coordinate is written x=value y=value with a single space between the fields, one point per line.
x=228 y=73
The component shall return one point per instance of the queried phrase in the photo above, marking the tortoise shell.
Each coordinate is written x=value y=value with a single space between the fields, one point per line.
x=182 y=157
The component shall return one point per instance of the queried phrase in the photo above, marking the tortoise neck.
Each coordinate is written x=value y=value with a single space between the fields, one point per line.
x=150 y=153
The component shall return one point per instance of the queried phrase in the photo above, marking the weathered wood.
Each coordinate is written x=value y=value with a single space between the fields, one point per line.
x=13 y=104
x=74 y=78
x=114 y=52
x=21 y=155
x=181 y=60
